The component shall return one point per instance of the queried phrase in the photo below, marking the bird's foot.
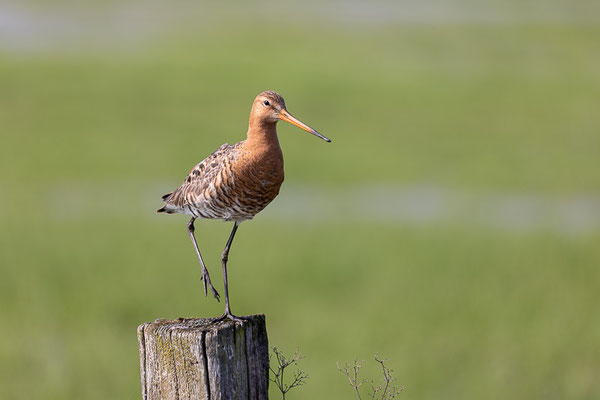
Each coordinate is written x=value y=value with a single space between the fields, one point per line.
x=228 y=315
x=206 y=281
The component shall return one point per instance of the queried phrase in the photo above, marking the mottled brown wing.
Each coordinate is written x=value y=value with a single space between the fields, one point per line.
x=204 y=191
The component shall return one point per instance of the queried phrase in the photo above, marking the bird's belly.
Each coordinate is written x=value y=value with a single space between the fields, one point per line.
x=245 y=196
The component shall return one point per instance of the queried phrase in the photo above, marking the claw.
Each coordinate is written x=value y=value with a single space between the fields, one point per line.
x=215 y=293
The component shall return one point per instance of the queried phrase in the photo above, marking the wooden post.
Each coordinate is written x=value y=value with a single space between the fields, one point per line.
x=204 y=359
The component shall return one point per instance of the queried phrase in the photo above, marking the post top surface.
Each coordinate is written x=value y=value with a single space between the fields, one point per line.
x=201 y=324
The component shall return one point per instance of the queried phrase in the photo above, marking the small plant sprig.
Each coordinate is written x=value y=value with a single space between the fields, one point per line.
x=351 y=373
x=298 y=378
x=383 y=391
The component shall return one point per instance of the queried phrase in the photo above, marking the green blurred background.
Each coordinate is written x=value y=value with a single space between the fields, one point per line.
x=453 y=225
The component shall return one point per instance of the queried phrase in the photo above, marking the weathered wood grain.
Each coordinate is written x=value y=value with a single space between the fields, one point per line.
x=204 y=359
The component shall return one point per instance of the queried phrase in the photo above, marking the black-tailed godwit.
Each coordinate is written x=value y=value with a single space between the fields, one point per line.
x=237 y=181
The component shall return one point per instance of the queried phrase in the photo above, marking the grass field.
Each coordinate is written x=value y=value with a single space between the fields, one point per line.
x=92 y=135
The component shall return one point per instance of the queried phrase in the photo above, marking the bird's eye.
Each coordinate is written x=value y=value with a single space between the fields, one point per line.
x=266 y=103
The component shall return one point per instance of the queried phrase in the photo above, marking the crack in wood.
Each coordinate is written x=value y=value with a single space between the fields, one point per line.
x=205 y=365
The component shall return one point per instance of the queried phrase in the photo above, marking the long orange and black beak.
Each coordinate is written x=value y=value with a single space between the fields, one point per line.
x=287 y=117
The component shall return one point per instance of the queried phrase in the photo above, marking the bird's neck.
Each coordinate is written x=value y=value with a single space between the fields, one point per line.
x=262 y=134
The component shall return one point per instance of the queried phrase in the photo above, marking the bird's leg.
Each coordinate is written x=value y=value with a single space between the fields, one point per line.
x=205 y=276
x=224 y=259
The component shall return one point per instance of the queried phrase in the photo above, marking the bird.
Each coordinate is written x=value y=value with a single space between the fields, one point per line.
x=236 y=182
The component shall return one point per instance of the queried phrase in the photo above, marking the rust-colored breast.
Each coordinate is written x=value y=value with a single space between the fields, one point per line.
x=258 y=177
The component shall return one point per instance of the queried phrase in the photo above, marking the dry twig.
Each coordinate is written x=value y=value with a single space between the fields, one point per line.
x=384 y=391
x=351 y=373
x=298 y=378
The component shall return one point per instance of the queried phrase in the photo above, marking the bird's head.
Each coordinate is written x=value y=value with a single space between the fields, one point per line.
x=269 y=107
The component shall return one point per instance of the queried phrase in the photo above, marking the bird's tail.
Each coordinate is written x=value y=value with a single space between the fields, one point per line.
x=164 y=208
